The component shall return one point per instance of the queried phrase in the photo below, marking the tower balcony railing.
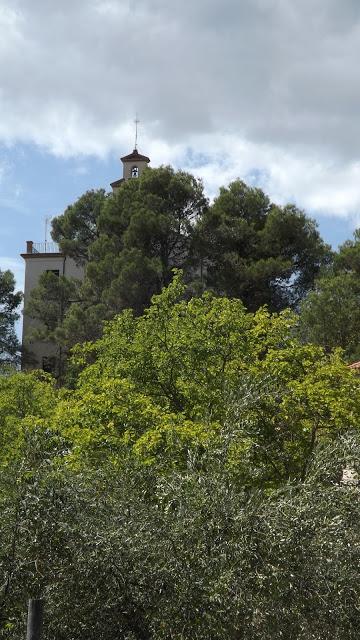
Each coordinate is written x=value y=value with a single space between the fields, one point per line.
x=42 y=247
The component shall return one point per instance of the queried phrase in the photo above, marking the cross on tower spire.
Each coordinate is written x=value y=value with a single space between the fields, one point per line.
x=136 y=121
x=133 y=164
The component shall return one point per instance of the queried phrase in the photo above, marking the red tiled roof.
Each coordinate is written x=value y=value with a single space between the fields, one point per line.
x=354 y=365
x=135 y=155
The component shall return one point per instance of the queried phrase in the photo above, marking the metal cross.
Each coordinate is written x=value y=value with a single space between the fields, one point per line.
x=137 y=121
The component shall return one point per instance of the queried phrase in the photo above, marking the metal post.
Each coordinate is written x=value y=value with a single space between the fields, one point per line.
x=34 y=622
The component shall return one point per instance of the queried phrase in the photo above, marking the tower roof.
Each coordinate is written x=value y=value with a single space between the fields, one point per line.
x=116 y=183
x=135 y=155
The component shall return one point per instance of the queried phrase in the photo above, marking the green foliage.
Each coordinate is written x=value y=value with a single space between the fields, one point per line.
x=128 y=244
x=257 y=251
x=146 y=230
x=9 y=303
x=347 y=260
x=241 y=246
x=48 y=304
x=31 y=508
x=186 y=555
x=76 y=229
x=196 y=368
x=27 y=447
x=188 y=486
x=330 y=314
x=23 y=398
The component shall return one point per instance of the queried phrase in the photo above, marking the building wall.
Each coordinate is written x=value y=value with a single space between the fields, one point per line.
x=35 y=265
x=140 y=164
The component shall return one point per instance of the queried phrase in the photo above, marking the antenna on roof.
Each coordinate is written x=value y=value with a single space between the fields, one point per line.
x=136 y=121
x=47 y=220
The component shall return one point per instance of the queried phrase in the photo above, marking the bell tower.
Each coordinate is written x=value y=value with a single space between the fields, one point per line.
x=133 y=164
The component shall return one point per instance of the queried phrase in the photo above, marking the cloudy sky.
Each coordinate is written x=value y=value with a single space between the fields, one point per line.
x=265 y=90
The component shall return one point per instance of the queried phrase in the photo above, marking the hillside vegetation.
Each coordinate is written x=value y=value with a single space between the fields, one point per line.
x=188 y=485
x=185 y=473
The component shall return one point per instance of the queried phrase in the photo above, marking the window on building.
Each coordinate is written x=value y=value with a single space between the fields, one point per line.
x=49 y=364
x=135 y=172
x=56 y=272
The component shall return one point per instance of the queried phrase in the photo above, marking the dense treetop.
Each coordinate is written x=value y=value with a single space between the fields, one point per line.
x=241 y=246
x=257 y=251
x=330 y=311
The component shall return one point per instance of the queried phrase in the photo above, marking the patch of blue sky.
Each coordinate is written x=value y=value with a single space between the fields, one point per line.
x=193 y=158
x=35 y=185
x=334 y=230
x=255 y=177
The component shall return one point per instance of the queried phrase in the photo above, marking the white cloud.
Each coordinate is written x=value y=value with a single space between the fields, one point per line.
x=311 y=182
x=264 y=86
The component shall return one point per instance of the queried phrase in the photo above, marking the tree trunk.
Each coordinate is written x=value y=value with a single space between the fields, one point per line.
x=34 y=622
